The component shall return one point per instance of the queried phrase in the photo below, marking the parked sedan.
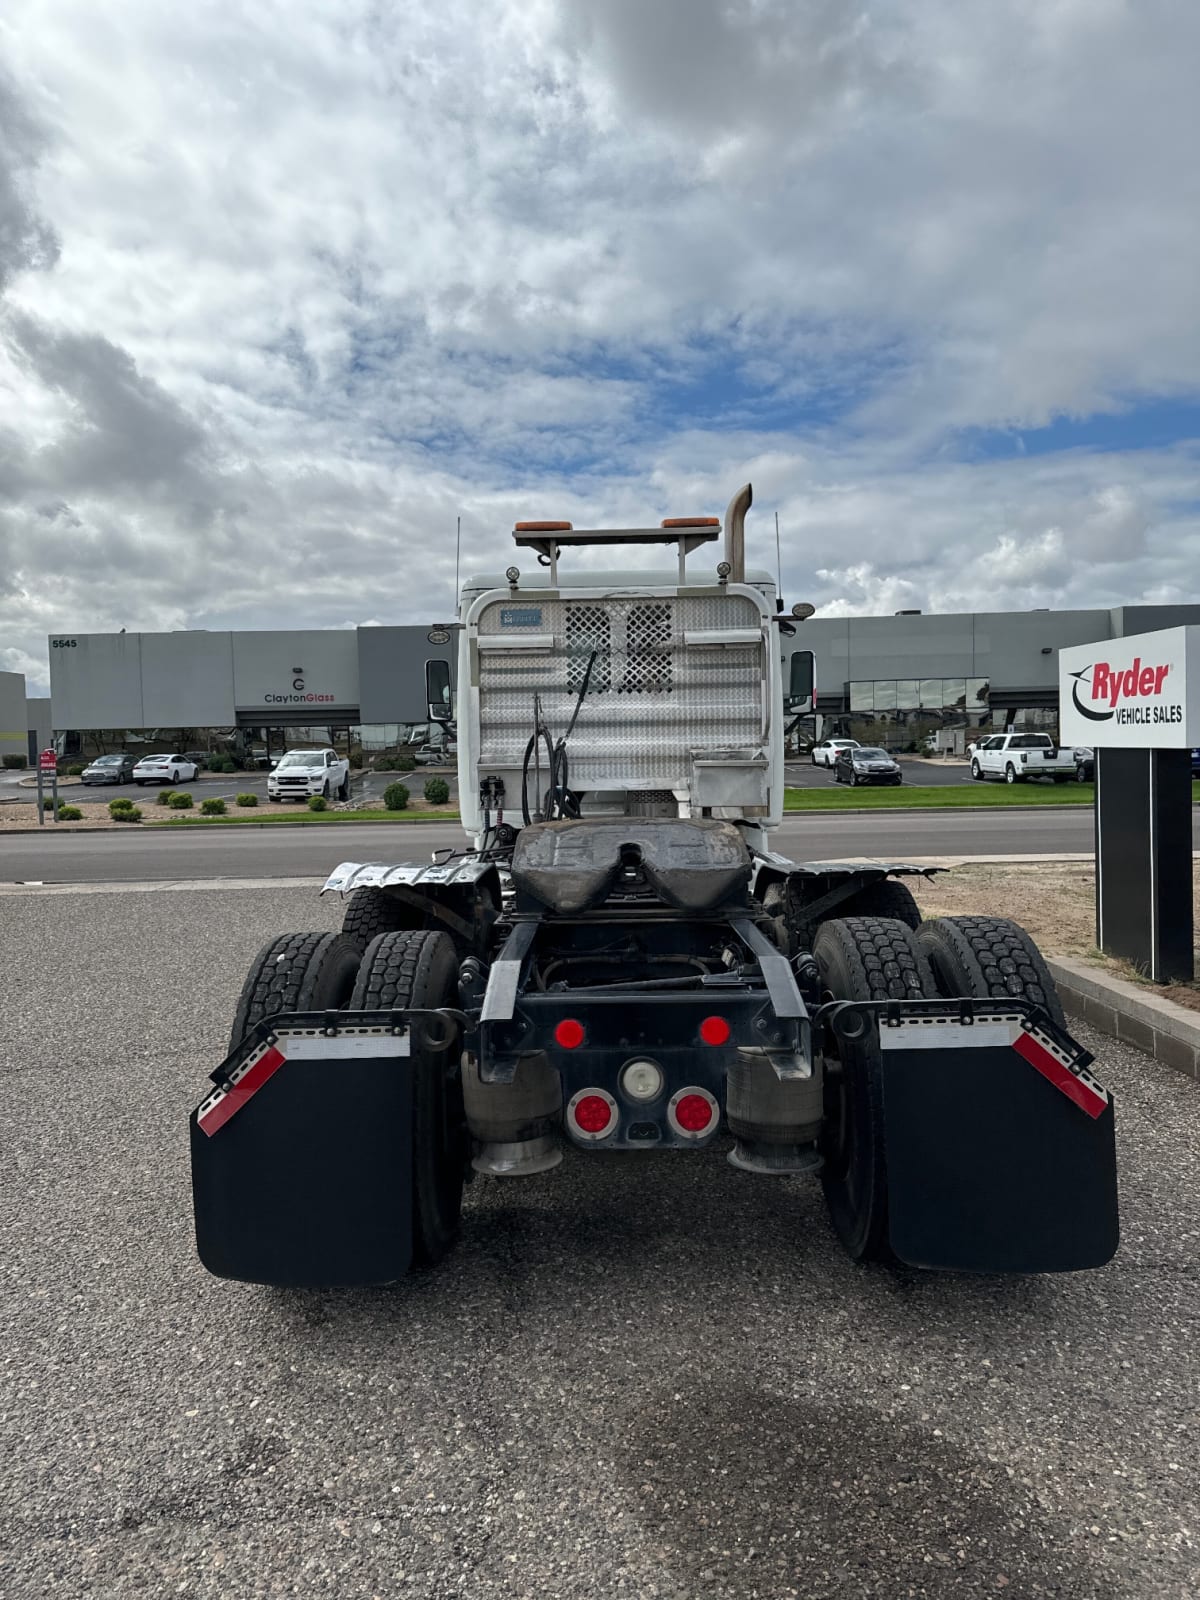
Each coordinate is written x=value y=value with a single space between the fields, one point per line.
x=866 y=764
x=165 y=769
x=1085 y=763
x=109 y=769
x=826 y=753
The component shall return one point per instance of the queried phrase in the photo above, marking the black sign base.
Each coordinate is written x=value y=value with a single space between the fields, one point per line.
x=1144 y=861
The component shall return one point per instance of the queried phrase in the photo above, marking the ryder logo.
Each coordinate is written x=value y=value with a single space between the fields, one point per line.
x=1117 y=690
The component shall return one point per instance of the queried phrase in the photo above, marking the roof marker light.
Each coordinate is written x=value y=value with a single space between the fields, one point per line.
x=543 y=527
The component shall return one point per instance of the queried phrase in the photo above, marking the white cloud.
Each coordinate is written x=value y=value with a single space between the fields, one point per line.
x=290 y=288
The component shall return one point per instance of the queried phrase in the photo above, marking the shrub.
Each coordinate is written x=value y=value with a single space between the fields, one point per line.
x=212 y=807
x=17 y=764
x=115 y=807
x=318 y=802
x=247 y=800
x=76 y=771
x=395 y=797
x=221 y=763
x=70 y=814
x=356 y=760
x=437 y=791
x=180 y=801
x=48 y=803
x=396 y=763
x=127 y=813
x=165 y=796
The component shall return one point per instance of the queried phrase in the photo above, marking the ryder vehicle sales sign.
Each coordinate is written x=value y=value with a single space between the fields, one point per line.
x=1137 y=693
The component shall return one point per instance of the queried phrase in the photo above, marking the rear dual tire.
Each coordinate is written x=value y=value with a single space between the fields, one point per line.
x=399 y=971
x=877 y=958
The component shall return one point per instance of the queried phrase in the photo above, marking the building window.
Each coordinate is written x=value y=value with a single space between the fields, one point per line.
x=908 y=694
x=862 y=697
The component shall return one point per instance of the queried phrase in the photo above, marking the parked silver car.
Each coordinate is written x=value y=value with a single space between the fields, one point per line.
x=109 y=769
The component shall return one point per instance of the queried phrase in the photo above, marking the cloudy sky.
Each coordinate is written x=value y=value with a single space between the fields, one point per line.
x=285 y=288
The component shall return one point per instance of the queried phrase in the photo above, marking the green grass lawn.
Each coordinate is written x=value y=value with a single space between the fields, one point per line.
x=307 y=818
x=914 y=797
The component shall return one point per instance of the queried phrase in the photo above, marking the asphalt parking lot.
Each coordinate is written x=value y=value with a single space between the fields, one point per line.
x=801 y=774
x=634 y=1377
x=225 y=786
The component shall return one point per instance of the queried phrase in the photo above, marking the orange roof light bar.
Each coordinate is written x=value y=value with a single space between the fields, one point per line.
x=690 y=522
x=542 y=527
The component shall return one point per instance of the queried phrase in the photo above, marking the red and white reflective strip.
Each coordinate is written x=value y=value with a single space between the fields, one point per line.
x=1056 y=1066
x=1031 y=1044
x=265 y=1060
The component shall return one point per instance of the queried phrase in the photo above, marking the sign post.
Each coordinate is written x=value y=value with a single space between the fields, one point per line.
x=47 y=768
x=1136 y=702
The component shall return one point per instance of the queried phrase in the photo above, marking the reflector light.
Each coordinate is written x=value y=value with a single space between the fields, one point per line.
x=593 y=1113
x=691 y=522
x=569 y=1034
x=694 y=1113
x=714 y=1030
x=543 y=527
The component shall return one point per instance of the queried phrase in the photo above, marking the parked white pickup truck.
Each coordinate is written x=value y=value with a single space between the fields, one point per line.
x=1017 y=756
x=301 y=773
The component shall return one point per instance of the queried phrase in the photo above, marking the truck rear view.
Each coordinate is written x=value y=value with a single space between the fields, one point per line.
x=617 y=960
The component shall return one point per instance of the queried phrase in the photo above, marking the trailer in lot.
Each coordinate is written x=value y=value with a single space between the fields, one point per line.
x=616 y=960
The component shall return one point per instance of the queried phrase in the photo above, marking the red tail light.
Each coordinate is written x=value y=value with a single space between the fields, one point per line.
x=715 y=1030
x=693 y=1113
x=569 y=1034
x=592 y=1115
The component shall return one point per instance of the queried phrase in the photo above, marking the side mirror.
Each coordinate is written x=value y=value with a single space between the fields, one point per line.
x=801 y=693
x=437 y=690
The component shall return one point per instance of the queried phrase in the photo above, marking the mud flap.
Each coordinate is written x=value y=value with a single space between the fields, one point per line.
x=302 y=1156
x=1000 y=1148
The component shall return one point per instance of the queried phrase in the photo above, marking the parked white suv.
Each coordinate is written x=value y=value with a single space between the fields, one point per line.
x=301 y=773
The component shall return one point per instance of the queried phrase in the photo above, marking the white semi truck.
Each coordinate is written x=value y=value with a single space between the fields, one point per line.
x=618 y=960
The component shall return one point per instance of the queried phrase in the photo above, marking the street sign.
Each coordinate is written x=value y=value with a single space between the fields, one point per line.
x=47 y=761
x=1137 y=693
x=1136 y=703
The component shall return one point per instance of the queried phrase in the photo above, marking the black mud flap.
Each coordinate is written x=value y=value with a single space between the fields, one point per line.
x=302 y=1155
x=1000 y=1147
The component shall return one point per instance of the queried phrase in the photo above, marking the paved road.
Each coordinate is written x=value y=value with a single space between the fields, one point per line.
x=309 y=852
x=635 y=1376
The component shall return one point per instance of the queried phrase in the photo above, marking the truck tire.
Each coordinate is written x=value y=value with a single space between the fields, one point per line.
x=988 y=958
x=976 y=770
x=862 y=958
x=372 y=912
x=419 y=969
x=1010 y=774
x=344 y=788
x=296 y=972
x=884 y=898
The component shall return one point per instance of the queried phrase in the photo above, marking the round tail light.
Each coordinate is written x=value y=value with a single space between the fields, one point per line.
x=715 y=1030
x=569 y=1034
x=693 y=1113
x=592 y=1114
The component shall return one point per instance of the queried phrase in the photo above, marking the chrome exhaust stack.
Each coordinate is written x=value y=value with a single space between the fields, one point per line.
x=735 y=533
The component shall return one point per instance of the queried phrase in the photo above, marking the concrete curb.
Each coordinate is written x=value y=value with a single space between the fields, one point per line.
x=1130 y=1012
